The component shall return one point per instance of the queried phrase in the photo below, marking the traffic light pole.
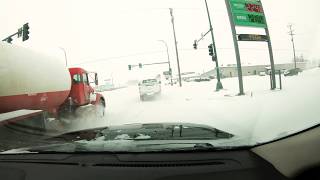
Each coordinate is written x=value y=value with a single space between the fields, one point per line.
x=9 y=38
x=24 y=32
x=197 y=41
x=157 y=63
x=130 y=66
x=214 y=57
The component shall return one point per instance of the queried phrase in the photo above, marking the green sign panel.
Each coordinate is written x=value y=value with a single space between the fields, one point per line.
x=248 y=13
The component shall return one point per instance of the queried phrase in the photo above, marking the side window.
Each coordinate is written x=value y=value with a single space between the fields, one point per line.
x=76 y=78
x=85 y=78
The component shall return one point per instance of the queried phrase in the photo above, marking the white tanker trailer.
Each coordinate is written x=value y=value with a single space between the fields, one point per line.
x=38 y=84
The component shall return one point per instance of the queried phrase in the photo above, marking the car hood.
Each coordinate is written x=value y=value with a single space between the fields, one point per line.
x=139 y=138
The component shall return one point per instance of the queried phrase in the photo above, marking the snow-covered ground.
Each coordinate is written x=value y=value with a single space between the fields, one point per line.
x=260 y=115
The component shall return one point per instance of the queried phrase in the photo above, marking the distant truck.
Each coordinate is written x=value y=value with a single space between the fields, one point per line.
x=149 y=87
x=34 y=81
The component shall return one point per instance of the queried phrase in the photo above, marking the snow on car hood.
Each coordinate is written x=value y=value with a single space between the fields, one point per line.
x=139 y=137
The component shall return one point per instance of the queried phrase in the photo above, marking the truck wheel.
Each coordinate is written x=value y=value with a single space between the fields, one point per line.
x=100 y=109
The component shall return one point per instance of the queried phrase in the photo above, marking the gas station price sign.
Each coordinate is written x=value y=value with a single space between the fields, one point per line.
x=248 y=13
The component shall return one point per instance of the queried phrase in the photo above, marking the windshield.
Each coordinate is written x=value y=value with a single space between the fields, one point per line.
x=76 y=78
x=220 y=74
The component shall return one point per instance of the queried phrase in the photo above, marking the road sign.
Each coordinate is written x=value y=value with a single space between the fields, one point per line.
x=248 y=13
x=252 y=37
x=167 y=73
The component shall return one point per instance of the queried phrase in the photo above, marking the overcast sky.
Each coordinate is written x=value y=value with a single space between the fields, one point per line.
x=106 y=36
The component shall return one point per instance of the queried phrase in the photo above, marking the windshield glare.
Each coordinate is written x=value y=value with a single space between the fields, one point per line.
x=150 y=75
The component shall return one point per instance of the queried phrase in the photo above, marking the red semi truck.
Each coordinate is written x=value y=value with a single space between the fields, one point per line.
x=34 y=84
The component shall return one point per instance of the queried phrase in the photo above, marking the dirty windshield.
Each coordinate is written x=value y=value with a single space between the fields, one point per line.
x=151 y=75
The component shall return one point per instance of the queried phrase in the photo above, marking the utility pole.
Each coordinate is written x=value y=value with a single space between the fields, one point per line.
x=170 y=71
x=175 y=43
x=293 y=47
x=214 y=57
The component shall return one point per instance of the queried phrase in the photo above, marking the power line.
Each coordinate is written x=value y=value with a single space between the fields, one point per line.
x=180 y=49
x=119 y=57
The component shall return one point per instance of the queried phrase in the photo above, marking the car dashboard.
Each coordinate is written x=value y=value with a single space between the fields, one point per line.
x=167 y=166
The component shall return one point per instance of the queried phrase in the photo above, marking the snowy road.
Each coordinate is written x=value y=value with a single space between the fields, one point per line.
x=261 y=113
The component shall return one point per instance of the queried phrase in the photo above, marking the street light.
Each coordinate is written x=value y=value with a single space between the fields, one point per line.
x=168 y=61
x=65 y=55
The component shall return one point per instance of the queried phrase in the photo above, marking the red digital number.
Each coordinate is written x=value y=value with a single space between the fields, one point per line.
x=253 y=8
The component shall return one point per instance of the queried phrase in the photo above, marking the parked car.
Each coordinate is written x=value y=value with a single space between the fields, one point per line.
x=201 y=79
x=263 y=73
x=292 y=72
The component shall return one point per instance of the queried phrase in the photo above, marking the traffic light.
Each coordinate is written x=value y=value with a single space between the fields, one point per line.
x=129 y=67
x=9 y=40
x=210 y=49
x=140 y=65
x=20 y=32
x=25 y=32
x=195 y=44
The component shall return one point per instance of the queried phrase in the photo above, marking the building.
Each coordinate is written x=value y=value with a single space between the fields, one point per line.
x=249 y=70
x=187 y=76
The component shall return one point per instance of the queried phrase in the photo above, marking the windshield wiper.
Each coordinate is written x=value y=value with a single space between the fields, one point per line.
x=187 y=147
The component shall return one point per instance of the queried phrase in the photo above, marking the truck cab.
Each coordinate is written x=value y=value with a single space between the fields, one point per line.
x=81 y=91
